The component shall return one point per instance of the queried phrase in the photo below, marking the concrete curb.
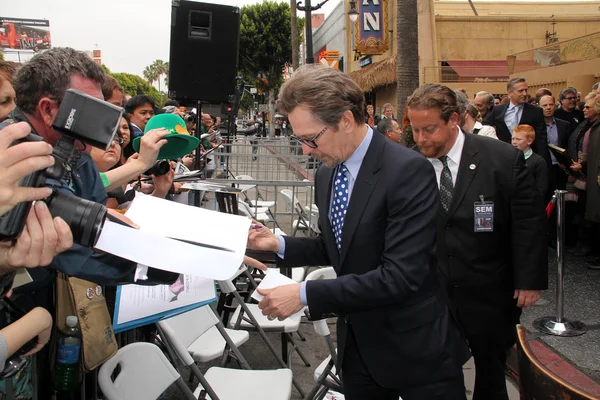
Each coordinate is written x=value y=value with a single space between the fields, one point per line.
x=558 y=365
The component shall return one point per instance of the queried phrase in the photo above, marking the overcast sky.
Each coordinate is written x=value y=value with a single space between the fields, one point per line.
x=130 y=33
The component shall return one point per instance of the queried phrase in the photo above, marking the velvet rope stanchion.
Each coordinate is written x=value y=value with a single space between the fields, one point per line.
x=558 y=325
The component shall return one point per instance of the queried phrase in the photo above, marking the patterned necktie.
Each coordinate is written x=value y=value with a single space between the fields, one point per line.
x=446 y=184
x=339 y=204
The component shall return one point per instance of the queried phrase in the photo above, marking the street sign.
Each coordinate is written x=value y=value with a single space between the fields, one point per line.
x=263 y=107
x=252 y=90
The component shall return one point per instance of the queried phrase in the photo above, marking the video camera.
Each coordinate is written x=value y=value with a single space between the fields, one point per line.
x=80 y=118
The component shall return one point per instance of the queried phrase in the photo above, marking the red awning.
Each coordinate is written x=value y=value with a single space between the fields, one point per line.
x=469 y=70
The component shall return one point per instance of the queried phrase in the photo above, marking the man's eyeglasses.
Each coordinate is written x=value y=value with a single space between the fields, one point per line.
x=118 y=140
x=570 y=98
x=310 y=142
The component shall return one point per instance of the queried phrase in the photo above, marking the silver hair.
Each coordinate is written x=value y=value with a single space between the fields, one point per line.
x=511 y=83
x=385 y=125
x=489 y=99
x=48 y=74
x=563 y=94
x=386 y=106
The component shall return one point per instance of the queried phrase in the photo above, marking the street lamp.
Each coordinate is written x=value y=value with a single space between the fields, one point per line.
x=308 y=9
x=352 y=12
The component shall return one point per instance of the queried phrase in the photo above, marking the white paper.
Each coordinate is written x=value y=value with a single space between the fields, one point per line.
x=138 y=301
x=160 y=220
x=273 y=279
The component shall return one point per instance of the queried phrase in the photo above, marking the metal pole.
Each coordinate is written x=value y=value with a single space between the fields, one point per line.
x=558 y=325
x=309 y=45
x=560 y=234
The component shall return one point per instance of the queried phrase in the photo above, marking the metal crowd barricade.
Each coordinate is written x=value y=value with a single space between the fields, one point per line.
x=274 y=159
x=292 y=212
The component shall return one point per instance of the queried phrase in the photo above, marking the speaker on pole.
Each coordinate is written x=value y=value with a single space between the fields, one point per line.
x=205 y=41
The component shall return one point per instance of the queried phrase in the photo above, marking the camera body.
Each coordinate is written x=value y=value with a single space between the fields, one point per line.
x=80 y=118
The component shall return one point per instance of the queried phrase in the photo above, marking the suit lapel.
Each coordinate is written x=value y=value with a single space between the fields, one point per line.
x=363 y=187
x=469 y=163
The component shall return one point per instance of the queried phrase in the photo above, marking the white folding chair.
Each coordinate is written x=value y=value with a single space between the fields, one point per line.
x=142 y=372
x=258 y=214
x=292 y=203
x=325 y=375
x=249 y=317
x=204 y=336
x=219 y=382
x=246 y=187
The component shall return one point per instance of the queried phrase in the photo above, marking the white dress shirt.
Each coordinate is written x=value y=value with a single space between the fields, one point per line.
x=454 y=156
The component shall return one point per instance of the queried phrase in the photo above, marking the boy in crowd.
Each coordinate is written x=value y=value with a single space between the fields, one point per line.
x=522 y=138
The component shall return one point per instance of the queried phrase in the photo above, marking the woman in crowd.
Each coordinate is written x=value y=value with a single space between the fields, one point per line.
x=371 y=119
x=473 y=124
x=584 y=148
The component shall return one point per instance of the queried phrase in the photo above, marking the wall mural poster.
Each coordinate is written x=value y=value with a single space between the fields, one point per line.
x=21 y=38
x=371 y=32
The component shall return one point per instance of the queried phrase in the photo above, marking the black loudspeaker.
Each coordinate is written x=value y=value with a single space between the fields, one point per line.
x=205 y=40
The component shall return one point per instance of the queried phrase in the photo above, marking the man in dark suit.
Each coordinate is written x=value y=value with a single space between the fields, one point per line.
x=518 y=111
x=378 y=204
x=558 y=132
x=491 y=232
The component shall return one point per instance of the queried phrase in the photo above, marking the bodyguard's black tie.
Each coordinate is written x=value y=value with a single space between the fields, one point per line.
x=446 y=185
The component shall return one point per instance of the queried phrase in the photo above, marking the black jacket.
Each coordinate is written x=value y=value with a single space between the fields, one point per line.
x=387 y=285
x=533 y=116
x=482 y=269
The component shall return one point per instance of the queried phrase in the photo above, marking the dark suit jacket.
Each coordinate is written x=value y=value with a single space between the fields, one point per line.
x=482 y=269
x=563 y=128
x=533 y=116
x=387 y=286
x=539 y=169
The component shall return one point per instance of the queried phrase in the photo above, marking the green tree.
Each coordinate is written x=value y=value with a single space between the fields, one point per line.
x=265 y=47
x=135 y=85
x=150 y=74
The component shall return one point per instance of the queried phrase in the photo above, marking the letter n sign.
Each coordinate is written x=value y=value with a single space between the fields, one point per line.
x=371 y=34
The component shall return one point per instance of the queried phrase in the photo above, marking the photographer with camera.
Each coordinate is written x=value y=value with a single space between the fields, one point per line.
x=40 y=86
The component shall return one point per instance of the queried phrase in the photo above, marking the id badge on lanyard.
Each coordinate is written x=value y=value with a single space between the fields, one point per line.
x=483 y=215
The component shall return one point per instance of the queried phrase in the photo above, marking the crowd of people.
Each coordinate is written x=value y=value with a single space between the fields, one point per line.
x=445 y=236
x=531 y=123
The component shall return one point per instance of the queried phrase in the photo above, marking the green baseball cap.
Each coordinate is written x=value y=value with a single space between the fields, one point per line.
x=179 y=141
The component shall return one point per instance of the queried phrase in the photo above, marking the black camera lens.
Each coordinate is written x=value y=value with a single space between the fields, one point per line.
x=85 y=217
x=160 y=168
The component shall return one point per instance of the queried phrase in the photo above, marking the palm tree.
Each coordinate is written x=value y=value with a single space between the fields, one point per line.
x=407 y=67
x=150 y=74
x=161 y=69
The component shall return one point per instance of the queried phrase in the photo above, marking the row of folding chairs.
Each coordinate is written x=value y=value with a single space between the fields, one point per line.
x=142 y=371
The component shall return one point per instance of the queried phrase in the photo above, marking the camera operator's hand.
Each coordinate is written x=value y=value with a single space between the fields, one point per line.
x=16 y=162
x=162 y=184
x=41 y=239
x=150 y=145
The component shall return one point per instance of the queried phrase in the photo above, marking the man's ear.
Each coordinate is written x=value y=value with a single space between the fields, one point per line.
x=47 y=108
x=347 y=121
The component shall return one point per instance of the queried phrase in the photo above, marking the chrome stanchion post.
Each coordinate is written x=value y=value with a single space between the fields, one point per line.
x=558 y=325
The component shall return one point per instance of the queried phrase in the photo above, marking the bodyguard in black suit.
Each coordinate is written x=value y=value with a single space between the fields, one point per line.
x=528 y=113
x=491 y=232
x=396 y=336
